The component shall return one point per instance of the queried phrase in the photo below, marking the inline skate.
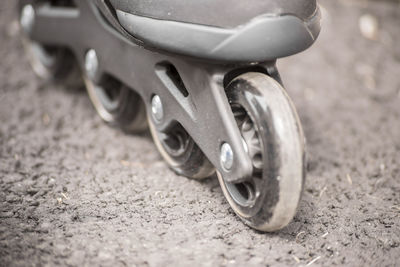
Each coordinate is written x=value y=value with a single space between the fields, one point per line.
x=201 y=75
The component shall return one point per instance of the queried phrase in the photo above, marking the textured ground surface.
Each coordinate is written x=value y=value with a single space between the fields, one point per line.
x=74 y=191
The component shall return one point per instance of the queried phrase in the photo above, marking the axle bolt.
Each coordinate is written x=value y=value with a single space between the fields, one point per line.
x=226 y=156
x=157 y=108
x=27 y=18
x=91 y=63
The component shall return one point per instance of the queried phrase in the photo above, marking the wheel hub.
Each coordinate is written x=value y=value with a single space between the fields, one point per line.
x=246 y=193
x=175 y=141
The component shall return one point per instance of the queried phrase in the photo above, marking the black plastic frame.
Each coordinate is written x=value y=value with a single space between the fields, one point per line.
x=204 y=112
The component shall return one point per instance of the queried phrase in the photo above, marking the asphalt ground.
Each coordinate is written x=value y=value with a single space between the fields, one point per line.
x=74 y=191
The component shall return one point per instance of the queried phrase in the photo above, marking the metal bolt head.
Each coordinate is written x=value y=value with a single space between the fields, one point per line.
x=91 y=63
x=226 y=156
x=27 y=18
x=157 y=108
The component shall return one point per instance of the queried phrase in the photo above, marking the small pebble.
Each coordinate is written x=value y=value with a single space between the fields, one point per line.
x=369 y=26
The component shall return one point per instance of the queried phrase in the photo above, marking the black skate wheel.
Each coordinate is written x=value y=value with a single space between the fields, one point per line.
x=53 y=64
x=274 y=140
x=180 y=151
x=117 y=104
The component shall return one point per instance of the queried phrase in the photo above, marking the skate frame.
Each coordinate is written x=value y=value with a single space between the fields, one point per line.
x=201 y=106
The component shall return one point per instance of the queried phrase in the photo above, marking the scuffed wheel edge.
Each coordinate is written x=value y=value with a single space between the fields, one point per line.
x=291 y=155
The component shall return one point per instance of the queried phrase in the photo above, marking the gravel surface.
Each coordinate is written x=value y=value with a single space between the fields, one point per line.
x=74 y=191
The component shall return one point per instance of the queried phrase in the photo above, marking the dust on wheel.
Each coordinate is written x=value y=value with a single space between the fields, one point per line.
x=273 y=138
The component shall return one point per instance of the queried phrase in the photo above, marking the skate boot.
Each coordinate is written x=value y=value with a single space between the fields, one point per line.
x=201 y=74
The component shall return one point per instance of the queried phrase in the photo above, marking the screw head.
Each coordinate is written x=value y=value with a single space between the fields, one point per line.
x=226 y=156
x=27 y=18
x=91 y=63
x=157 y=108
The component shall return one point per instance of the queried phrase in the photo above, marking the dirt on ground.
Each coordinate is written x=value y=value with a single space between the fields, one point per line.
x=74 y=191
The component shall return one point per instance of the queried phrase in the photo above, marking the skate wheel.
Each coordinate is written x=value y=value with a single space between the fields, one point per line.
x=50 y=63
x=53 y=64
x=117 y=104
x=181 y=152
x=273 y=138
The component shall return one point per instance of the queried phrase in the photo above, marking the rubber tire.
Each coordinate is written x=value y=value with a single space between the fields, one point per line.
x=60 y=67
x=130 y=113
x=282 y=143
x=193 y=164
